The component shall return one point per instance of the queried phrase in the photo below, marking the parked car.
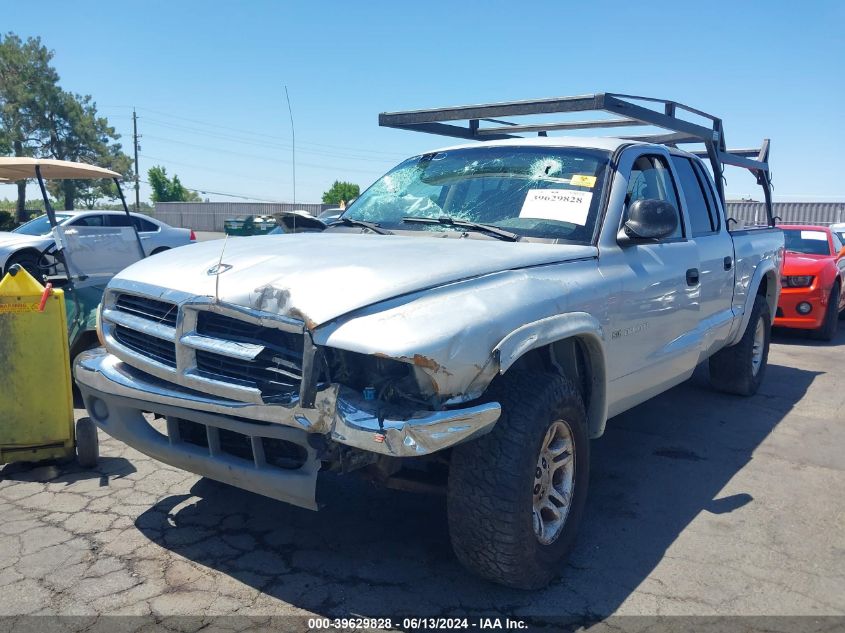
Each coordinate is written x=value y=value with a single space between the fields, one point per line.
x=24 y=244
x=469 y=323
x=330 y=215
x=298 y=221
x=249 y=225
x=839 y=230
x=813 y=296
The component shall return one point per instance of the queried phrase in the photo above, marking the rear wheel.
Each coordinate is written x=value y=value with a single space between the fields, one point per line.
x=830 y=325
x=159 y=250
x=740 y=368
x=516 y=495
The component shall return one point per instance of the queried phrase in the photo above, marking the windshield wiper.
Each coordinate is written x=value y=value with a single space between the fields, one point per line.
x=375 y=228
x=467 y=224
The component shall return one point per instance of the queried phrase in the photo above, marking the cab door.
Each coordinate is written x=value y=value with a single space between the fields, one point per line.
x=655 y=308
x=715 y=252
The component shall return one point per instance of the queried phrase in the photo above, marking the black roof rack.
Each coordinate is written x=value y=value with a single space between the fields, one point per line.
x=628 y=114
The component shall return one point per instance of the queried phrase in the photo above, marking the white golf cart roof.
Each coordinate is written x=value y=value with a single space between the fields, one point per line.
x=19 y=168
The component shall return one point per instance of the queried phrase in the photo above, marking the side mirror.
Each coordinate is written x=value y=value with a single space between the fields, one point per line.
x=649 y=220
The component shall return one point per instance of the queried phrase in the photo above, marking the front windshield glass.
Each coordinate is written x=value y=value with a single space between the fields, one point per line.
x=806 y=241
x=541 y=192
x=40 y=225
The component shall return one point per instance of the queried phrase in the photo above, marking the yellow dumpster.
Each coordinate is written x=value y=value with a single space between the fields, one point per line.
x=36 y=403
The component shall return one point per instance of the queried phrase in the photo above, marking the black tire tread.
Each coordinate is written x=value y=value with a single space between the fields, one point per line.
x=730 y=368
x=87 y=443
x=487 y=507
x=27 y=260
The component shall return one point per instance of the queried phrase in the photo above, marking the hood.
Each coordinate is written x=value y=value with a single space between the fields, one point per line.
x=801 y=264
x=19 y=239
x=317 y=277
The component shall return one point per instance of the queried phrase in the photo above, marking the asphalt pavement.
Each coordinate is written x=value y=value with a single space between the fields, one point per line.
x=700 y=504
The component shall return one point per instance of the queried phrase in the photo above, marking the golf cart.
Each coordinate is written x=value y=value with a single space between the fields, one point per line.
x=47 y=318
x=81 y=259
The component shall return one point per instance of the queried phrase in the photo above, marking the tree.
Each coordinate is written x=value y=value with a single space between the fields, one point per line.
x=38 y=118
x=77 y=132
x=28 y=84
x=168 y=189
x=345 y=191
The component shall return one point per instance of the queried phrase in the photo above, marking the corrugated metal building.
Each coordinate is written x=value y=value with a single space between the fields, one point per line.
x=788 y=212
x=209 y=216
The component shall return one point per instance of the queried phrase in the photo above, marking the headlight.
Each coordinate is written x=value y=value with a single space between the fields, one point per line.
x=798 y=281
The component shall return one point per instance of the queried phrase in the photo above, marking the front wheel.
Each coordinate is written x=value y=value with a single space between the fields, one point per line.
x=516 y=495
x=28 y=261
x=830 y=325
x=740 y=368
x=87 y=443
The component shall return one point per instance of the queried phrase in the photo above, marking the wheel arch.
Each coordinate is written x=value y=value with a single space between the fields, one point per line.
x=768 y=287
x=764 y=282
x=571 y=344
x=26 y=250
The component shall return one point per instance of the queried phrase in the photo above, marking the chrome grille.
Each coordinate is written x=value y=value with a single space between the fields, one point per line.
x=160 y=351
x=274 y=382
x=210 y=347
x=287 y=344
x=162 y=312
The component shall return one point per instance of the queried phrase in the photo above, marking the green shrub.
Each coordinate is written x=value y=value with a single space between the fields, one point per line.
x=7 y=220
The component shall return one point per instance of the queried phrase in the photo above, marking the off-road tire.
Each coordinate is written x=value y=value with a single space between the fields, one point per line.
x=830 y=325
x=87 y=443
x=731 y=368
x=491 y=481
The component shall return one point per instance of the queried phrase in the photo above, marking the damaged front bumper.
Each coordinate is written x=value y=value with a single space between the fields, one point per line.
x=338 y=412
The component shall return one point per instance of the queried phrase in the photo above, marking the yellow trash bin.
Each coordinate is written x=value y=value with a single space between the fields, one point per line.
x=36 y=403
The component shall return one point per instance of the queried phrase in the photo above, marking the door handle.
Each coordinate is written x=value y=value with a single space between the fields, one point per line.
x=692 y=277
x=729 y=262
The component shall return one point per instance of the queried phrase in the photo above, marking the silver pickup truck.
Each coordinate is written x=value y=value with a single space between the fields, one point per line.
x=469 y=323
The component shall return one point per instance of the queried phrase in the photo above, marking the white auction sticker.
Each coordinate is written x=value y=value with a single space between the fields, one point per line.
x=814 y=235
x=564 y=205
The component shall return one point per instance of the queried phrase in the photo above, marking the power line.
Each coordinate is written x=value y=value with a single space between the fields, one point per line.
x=168 y=162
x=264 y=135
x=225 y=194
x=267 y=144
x=234 y=153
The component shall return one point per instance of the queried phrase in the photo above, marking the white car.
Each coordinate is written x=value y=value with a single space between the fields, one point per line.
x=839 y=229
x=25 y=244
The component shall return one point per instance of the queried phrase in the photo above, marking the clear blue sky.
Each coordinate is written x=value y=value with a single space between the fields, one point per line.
x=208 y=77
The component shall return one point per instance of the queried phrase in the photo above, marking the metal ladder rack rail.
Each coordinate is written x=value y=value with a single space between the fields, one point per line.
x=628 y=114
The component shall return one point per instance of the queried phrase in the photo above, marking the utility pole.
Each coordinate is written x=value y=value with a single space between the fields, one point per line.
x=293 y=144
x=135 y=138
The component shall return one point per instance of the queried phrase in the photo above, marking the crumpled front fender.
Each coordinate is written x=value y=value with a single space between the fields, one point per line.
x=451 y=333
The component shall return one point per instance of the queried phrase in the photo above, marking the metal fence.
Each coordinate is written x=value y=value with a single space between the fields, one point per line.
x=789 y=212
x=209 y=216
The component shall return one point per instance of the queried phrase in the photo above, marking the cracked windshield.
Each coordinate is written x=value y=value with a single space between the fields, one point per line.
x=545 y=192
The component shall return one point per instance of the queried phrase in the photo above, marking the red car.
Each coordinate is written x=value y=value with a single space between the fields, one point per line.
x=813 y=295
